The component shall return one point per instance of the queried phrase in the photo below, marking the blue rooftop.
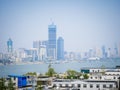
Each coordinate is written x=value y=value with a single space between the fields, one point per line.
x=16 y=76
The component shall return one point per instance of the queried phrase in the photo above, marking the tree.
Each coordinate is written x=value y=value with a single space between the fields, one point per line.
x=85 y=76
x=72 y=74
x=31 y=74
x=2 y=84
x=10 y=85
x=51 y=71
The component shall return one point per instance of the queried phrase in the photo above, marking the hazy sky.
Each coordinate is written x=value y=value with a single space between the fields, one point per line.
x=82 y=23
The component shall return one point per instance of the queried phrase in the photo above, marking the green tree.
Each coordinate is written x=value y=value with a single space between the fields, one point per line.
x=50 y=71
x=72 y=74
x=85 y=76
x=31 y=74
x=10 y=85
x=2 y=84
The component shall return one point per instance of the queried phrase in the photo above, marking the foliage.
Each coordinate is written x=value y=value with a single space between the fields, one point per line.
x=85 y=76
x=50 y=72
x=39 y=87
x=10 y=85
x=31 y=74
x=72 y=74
x=2 y=84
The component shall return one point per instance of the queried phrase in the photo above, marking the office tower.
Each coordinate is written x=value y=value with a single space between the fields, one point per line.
x=60 y=48
x=116 y=51
x=91 y=53
x=10 y=45
x=109 y=53
x=51 y=53
x=98 y=52
x=36 y=44
x=41 y=47
x=42 y=54
x=103 y=52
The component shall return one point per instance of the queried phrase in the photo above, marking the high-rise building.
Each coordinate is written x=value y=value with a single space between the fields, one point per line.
x=60 y=48
x=10 y=45
x=36 y=44
x=103 y=52
x=51 y=52
x=116 y=51
x=41 y=47
x=109 y=53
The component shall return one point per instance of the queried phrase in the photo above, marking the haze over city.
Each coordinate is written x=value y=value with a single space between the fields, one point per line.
x=83 y=24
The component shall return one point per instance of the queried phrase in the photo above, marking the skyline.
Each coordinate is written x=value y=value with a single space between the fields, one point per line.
x=82 y=24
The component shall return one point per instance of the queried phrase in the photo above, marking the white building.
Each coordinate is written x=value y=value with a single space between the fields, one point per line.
x=84 y=85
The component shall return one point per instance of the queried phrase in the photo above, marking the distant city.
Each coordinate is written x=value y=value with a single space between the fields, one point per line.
x=53 y=49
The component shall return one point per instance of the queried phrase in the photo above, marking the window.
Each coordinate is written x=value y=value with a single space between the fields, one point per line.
x=104 y=86
x=114 y=77
x=14 y=78
x=60 y=85
x=72 y=85
x=14 y=84
x=97 y=86
x=84 y=85
x=54 y=85
x=66 y=85
x=78 y=85
x=91 y=85
x=98 y=70
x=111 y=86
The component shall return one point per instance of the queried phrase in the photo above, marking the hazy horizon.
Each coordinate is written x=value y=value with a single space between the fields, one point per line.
x=83 y=24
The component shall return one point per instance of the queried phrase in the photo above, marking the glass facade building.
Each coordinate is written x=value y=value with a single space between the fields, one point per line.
x=51 y=53
x=60 y=48
x=10 y=45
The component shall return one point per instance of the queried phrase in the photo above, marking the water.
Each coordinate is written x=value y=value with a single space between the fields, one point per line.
x=60 y=68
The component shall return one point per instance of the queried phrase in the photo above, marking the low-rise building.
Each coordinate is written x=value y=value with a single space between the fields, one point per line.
x=23 y=82
x=65 y=84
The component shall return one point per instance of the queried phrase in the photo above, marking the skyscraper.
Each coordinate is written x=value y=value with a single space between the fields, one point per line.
x=41 y=47
x=10 y=45
x=60 y=48
x=51 y=53
x=103 y=52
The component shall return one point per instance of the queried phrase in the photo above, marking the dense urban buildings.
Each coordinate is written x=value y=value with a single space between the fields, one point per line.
x=53 y=49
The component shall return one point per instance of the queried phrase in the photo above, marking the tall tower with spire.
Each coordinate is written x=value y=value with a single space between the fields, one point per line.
x=10 y=45
x=51 y=53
